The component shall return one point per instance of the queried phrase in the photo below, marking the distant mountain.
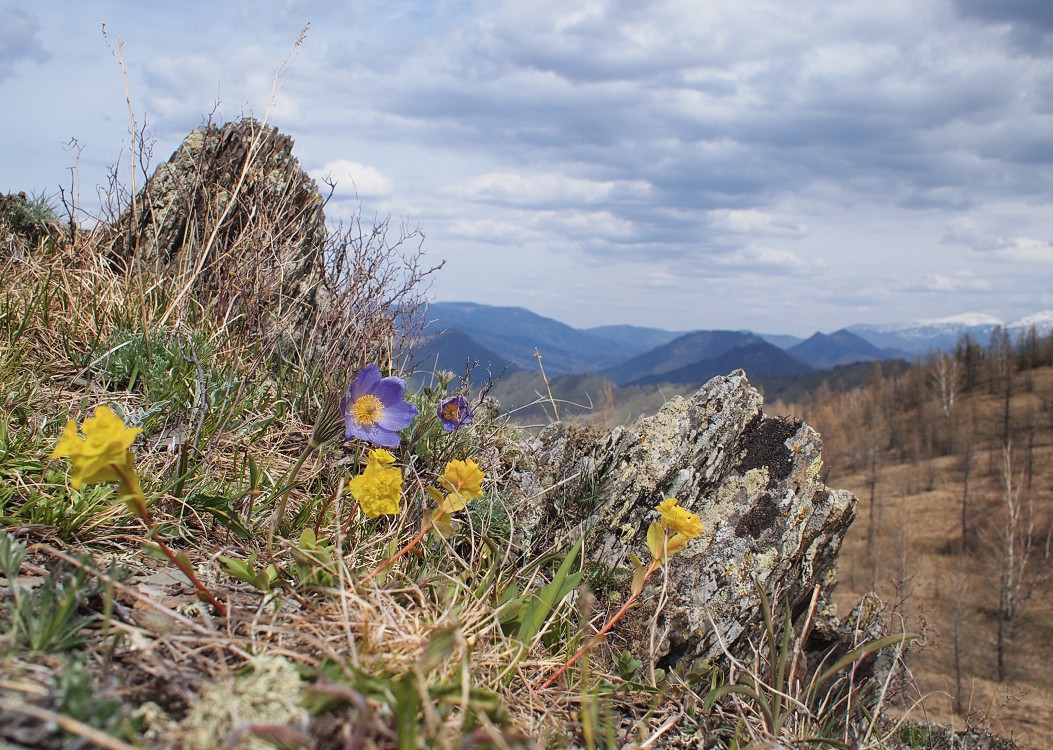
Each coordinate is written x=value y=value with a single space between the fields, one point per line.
x=696 y=357
x=634 y=339
x=636 y=354
x=924 y=335
x=823 y=351
x=452 y=350
x=758 y=358
x=781 y=340
x=1042 y=322
x=514 y=333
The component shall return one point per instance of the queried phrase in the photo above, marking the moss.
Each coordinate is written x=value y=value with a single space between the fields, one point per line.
x=269 y=694
x=765 y=445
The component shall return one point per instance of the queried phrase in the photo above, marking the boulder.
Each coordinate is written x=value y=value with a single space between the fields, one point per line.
x=770 y=524
x=233 y=217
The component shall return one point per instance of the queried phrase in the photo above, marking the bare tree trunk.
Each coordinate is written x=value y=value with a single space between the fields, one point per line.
x=967 y=465
x=958 y=631
x=872 y=521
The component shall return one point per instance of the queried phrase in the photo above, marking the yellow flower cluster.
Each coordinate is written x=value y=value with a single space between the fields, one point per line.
x=102 y=455
x=378 y=488
x=463 y=481
x=680 y=522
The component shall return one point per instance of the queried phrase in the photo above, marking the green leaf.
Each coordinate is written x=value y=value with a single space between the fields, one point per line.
x=546 y=598
x=439 y=648
x=407 y=705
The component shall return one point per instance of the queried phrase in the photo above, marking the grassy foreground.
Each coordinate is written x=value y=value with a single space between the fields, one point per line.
x=235 y=581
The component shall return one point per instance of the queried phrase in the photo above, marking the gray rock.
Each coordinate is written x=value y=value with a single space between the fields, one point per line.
x=233 y=216
x=753 y=479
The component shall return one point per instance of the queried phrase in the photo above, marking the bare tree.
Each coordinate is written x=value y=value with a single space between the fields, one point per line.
x=944 y=379
x=1015 y=550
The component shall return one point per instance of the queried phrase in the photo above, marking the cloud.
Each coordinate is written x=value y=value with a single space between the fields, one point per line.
x=1015 y=248
x=765 y=260
x=544 y=190
x=672 y=142
x=1030 y=21
x=352 y=178
x=19 y=41
x=960 y=281
x=754 y=222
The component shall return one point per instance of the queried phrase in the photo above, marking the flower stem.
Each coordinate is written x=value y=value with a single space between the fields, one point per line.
x=424 y=529
x=136 y=502
x=202 y=591
x=655 y=564
x=287 y=482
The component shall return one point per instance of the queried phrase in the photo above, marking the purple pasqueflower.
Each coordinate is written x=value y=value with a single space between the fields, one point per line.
x=375 y=408
x=455 y=412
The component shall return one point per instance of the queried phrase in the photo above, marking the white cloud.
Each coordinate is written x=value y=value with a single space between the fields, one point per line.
x=754 y=222
x=540 y=189
x=353 y=179
x=961 y=281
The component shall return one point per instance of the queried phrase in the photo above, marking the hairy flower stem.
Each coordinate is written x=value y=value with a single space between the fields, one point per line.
x=284 y=486
x=424 y=529
x=136 y=502
x=655 y=564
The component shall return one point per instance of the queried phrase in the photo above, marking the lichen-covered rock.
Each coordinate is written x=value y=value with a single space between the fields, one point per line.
x=232 y=216
x=753 y=479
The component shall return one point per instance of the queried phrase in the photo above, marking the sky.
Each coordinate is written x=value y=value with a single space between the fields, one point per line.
x=783 y=166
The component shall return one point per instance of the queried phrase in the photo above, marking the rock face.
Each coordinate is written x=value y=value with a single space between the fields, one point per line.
x=233 y=205
x=754 y=480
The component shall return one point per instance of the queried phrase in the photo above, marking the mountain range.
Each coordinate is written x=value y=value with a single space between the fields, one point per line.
x=511 y=338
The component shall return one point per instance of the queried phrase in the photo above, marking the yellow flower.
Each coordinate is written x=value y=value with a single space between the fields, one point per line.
x=381 y=456
x=463 y=480
x=679 y=520
x=378 y=488
x=102 y=454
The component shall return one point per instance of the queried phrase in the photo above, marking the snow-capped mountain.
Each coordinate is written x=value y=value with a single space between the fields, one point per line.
x=1042 y=321
x=921 y=336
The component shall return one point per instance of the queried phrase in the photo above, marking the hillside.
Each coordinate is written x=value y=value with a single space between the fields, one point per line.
x=953 y=465
x=454 y=350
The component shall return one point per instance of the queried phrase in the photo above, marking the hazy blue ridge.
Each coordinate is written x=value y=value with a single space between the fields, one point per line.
x=921 y=338
x=635 y=339
x=757 y=357
x=680 y=353
x=782 y=340
x=514 y=333
x=452 y=350
x=499 y=336
x=839 y=348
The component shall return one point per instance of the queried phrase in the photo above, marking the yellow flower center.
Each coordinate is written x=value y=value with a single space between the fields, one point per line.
x=452 y=412
x=368 y=409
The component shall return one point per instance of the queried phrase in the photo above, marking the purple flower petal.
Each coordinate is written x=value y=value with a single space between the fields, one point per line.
x=398 y=416
x=386 y=404
x=378 y=435
x=389 y=390
x=365 y=382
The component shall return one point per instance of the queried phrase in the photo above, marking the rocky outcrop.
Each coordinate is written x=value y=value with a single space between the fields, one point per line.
x=753 y=479
x=233 y=217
